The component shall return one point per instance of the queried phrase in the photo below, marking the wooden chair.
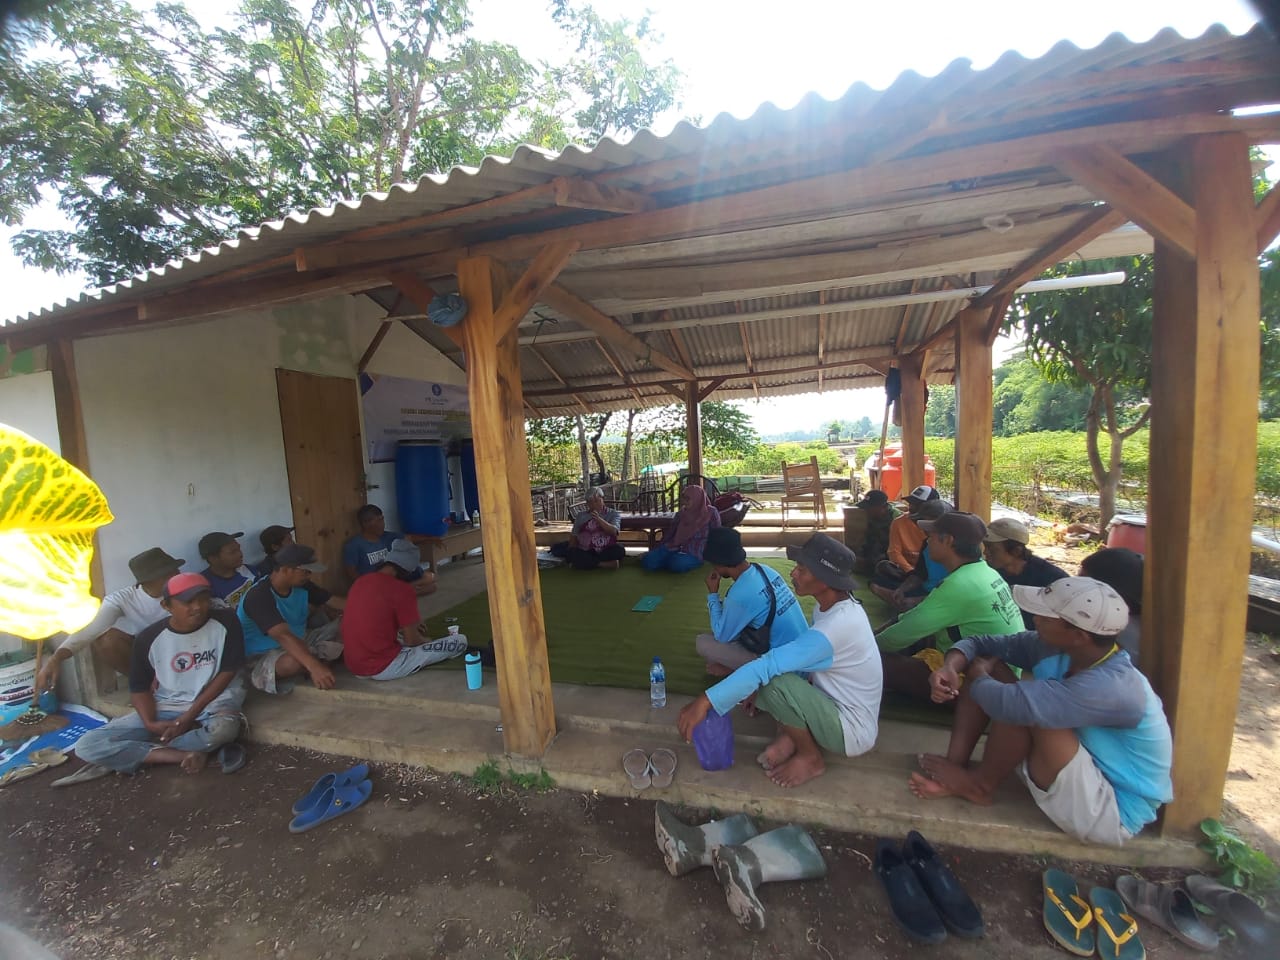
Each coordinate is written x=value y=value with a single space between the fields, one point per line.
x=802 y=487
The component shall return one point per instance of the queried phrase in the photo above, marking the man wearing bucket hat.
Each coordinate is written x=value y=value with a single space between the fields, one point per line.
x=185 y=686
x=880 y=515
x=122 y=614
x=971 y=599
x=1083 y=728
x=381 y=638
x=759 y=601
x=823 y=688
x=274 y=612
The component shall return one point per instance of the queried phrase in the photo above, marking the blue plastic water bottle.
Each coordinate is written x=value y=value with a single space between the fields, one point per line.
x=474 y=677
x=657 y=684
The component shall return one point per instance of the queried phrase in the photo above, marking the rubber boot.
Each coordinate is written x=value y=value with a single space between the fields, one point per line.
x=686 y=848
x=787 y=853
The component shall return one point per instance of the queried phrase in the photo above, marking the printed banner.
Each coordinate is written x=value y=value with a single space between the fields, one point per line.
x=397 y=409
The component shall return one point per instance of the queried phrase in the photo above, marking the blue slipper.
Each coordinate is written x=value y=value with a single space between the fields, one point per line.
x=309 y=799
x=334 y=802
x=231 y=757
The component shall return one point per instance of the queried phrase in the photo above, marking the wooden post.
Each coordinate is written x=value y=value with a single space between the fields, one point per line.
x=510 y=555
x=75 y=450
x=693 y=426
x=1203 y=442
x=973 y=412
x=912 y=401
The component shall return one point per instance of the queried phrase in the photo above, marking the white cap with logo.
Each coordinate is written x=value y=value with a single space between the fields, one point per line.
x=1083 y=602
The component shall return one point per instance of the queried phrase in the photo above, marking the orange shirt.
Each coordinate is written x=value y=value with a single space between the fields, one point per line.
x=906 y=540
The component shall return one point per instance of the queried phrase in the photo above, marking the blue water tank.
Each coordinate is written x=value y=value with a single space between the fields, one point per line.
x=470 y=488
x=422 y=487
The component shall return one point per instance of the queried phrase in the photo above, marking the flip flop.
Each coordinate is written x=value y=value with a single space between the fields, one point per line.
x=1117 y=930
x=49 y=756
x=1068 y=918
x=1169 y=908
x=90 y=771
x=334 y=802
x=231 y=757
x=663 y=764
x=1233 y=908
x=309 y=799
x=635 y=762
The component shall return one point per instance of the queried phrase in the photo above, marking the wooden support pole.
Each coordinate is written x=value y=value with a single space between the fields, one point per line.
x=1204 y=396
x=510 y=564
x=693 y=426
x=912 y=408
x=74 y=449
x=973 y=411
x=383 y=329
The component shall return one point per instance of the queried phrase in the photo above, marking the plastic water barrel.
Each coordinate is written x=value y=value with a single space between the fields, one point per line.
x=1128 y=531
x=470 y=487
x=891 y=473
x=422 y=487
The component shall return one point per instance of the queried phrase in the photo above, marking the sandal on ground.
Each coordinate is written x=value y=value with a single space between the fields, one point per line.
x=309 y=799
x=1234 y=909
x=635 y=763
x=90 y=771
x=1067 y=917
x=1169 y=908
x=663 y=764
x=1117 y=930
x=334 y=802
x=231 y=757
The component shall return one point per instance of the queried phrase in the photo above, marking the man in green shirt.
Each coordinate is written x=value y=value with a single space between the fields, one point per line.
x=972 y=599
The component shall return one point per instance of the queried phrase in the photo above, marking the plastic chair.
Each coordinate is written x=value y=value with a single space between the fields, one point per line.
x=802 y=487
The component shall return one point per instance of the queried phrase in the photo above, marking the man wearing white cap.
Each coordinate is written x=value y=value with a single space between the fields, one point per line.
x=906 y=539
x=1084 y=729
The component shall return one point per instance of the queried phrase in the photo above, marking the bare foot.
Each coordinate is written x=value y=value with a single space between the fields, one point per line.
x=801 y=768
x=927 y=789
x=777 y=753
x=194 y=762
x=956 y=779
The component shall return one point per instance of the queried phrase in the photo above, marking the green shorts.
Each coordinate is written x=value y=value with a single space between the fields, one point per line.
x=795 y=702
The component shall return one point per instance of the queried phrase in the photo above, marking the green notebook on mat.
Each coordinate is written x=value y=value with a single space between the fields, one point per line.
x=646 y=604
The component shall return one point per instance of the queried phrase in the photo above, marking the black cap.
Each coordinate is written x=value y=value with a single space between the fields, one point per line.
x=273 y=536
x=296 y=555
x=211 y=543
x=724 y=547
x=827 y=559
x=964 y=528
x=874 y=498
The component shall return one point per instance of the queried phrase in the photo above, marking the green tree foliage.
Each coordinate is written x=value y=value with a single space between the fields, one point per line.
x=726 y=429
x=158 y=137
x=940 y=412
x=1269 y=406
x=1025 y=401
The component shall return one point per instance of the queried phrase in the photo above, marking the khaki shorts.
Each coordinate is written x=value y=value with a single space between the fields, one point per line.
x=1081 y=801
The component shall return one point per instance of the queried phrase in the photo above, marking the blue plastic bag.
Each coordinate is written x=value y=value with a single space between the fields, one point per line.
x=713 y=740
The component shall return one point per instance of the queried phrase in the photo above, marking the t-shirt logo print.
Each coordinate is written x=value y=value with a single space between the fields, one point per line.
x=182 y=662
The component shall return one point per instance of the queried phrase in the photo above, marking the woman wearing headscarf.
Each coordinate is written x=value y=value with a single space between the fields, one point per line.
x=681 y=550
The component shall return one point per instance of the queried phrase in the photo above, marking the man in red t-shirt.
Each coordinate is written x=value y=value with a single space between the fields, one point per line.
x=378 y=635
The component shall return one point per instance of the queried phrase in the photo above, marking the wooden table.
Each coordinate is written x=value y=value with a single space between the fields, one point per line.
x=655 y=526
x=456 y=541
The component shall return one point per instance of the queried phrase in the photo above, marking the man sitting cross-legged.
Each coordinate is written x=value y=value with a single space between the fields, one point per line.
x=274 y=615
x=1087 y=734
x=184 y=686
x=368 y=548
x=823 y=688
x=379 y=639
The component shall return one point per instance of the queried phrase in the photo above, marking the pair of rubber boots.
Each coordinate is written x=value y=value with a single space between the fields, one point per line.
x=742 y=858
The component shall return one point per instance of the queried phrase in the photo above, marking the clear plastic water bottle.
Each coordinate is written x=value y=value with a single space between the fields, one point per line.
x=657 y=684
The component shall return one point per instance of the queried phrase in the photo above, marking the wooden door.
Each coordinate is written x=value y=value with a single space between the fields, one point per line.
x=322 y=448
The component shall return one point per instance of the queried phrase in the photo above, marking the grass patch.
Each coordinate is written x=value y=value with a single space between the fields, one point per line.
x=489 y=778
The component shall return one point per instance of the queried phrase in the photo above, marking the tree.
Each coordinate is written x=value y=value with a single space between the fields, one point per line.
x=158 y=137
x=863 y=428
x=1024 y=401
x=1269 y=403
x=726 y=428
x=940 y=411
x=1097 y=340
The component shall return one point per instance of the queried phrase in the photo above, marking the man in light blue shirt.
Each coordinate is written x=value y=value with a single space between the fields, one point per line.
x=746 y=604
x=1084 y=729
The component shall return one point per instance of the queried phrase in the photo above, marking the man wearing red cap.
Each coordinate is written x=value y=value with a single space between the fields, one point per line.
x=184 y=686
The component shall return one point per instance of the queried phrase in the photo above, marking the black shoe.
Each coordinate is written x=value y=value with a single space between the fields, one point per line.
x=487 y=658
x=911 y=906
x=956 y=908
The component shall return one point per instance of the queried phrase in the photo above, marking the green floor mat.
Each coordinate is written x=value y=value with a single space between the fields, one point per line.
x=594 y=637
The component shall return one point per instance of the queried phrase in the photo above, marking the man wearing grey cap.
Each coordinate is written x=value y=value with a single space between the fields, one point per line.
x=122 y=615
x=381 y=636
x=1083 y=728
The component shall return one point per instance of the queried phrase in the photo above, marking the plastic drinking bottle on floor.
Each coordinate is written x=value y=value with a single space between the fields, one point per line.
x=474 y=677
x=657 y=684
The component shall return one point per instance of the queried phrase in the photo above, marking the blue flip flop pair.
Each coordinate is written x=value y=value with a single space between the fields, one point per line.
x=332 y=795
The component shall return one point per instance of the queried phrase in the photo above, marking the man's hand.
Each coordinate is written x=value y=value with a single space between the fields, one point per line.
x=981 y=667
x=322 y=676
x=48 y=675
x=692 y=715
x=944 y=684
x=713 y=582
x=175 y=728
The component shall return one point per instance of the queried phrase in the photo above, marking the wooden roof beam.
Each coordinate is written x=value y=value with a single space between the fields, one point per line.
x=526 y=291
x=603 y=325
x=420 y=294
x=1101 y=220
x=998 y=308
x=617 y=368
x=746 y=352
x=559 y=379
x=1127 y=187
x=1267 y=217
x=585 y=194
x=347 y=253
x=383 y=329
x=711 y=388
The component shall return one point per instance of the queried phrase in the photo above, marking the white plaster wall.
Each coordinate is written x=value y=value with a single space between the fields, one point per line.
x=26 y=402
x=183 y=422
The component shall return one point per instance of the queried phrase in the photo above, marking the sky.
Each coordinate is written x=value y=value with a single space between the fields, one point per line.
x=738 y=54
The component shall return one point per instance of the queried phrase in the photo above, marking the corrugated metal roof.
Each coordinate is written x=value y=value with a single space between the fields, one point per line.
x=682 y=291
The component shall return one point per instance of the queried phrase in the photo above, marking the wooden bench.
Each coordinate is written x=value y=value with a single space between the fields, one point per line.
x=460 y=539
